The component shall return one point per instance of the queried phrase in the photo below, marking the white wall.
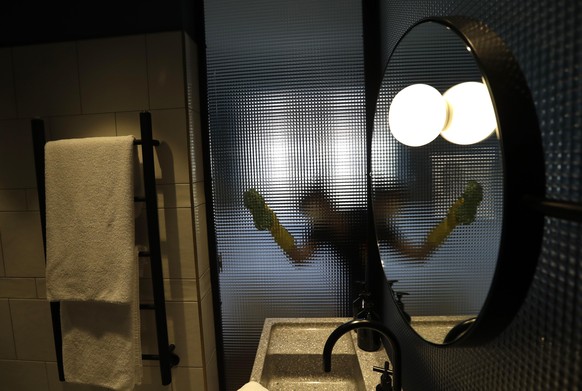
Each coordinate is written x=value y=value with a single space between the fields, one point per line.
x=97 y=88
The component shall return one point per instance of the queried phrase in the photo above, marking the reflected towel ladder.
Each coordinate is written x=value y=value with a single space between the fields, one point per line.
x=166 y=355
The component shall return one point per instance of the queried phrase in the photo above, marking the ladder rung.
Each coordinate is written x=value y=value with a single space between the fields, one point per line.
x=151 y=357
x=155 y=143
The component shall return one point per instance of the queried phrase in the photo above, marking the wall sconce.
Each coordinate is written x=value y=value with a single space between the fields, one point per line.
x=463 y=115
x=417 y=115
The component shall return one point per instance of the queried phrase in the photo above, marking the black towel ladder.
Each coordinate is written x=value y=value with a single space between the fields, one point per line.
x=166 y=355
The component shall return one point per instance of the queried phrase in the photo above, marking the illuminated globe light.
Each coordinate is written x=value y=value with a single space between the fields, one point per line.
x=417 y=115
x=471 y=114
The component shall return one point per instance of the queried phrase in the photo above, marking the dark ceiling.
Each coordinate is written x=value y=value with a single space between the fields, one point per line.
x=33 y=21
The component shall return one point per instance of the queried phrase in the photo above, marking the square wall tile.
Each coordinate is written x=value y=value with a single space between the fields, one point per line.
x=16 y=155
x=46 y=79
x=199 y=195
x=81 y=126
x=12 y=200
x=173 y=195
x=18 y=288
x=177 y=243
x=201 y=227
x=205 y=284
x=183 y=331
x=127 y=124
x=23 y=376
x=22 y=245
x=141 y=230
x=169 y=126
x=208 y=333
x=33 y=332
x=196 y=150
x=171 y=157
x=212 y=383
x=152 y=380
x=2 y=272
x=113 y=74
x=149 y=344
x=187 y=379
x=7 y=92
x=174 y=290
x=165 y=70
x=32 y=200
x=7 y=349
x=40 y=288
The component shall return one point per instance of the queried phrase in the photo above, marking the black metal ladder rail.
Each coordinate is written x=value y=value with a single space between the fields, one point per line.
x=166 y=355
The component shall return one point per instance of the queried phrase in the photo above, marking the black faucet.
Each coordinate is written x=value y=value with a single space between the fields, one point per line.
x=363 y=323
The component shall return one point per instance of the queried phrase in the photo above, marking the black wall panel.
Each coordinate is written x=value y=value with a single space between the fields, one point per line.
x=542 y=348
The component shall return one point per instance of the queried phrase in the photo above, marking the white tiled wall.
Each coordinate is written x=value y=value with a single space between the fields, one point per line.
x=98 y=88
x=113 y=74
x=46 y=80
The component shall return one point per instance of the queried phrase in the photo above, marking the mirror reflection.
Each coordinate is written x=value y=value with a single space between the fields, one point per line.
x=437 y=181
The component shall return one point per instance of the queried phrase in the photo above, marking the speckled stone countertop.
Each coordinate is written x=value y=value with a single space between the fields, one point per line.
x=295 y=349
x=435 y=328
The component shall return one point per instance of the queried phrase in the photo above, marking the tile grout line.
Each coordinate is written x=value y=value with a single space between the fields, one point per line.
x=12 y=329
x=3 y=257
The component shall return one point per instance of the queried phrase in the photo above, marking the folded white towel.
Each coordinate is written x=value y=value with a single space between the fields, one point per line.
x=92 y=266
x=252 y=386
x=90 y=219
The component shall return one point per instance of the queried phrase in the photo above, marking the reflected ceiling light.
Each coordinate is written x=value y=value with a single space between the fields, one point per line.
x=417 y=115
x=471 y=113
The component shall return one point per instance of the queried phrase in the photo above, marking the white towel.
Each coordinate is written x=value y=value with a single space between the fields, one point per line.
x=90 y=219
x=252 y=386
x=101 y=344
x=91 y=258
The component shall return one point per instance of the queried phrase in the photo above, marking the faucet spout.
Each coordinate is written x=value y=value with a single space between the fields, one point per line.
x=373 y=325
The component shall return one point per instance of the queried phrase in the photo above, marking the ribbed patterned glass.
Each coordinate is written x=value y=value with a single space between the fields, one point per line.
x=287 y=119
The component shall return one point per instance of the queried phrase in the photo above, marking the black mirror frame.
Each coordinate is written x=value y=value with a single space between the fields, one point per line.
x=524 y=177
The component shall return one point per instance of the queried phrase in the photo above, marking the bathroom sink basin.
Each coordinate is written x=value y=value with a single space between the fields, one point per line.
x=289 y=357
x=296 y=372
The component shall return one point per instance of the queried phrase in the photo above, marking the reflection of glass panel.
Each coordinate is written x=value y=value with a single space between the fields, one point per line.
x=455 y=279
x=422 y=183
x=286 y=111
x=450 y=170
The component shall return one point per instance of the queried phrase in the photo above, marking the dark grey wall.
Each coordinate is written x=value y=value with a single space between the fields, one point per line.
x=542 y=348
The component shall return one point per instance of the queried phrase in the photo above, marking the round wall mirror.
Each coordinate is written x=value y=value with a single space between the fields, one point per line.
x=443 y=187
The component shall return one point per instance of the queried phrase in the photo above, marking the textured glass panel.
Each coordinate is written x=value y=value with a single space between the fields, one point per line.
x=286 y=112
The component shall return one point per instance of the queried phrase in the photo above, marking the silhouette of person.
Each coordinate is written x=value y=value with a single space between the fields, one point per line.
x=461 y=212
x=346 y=231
